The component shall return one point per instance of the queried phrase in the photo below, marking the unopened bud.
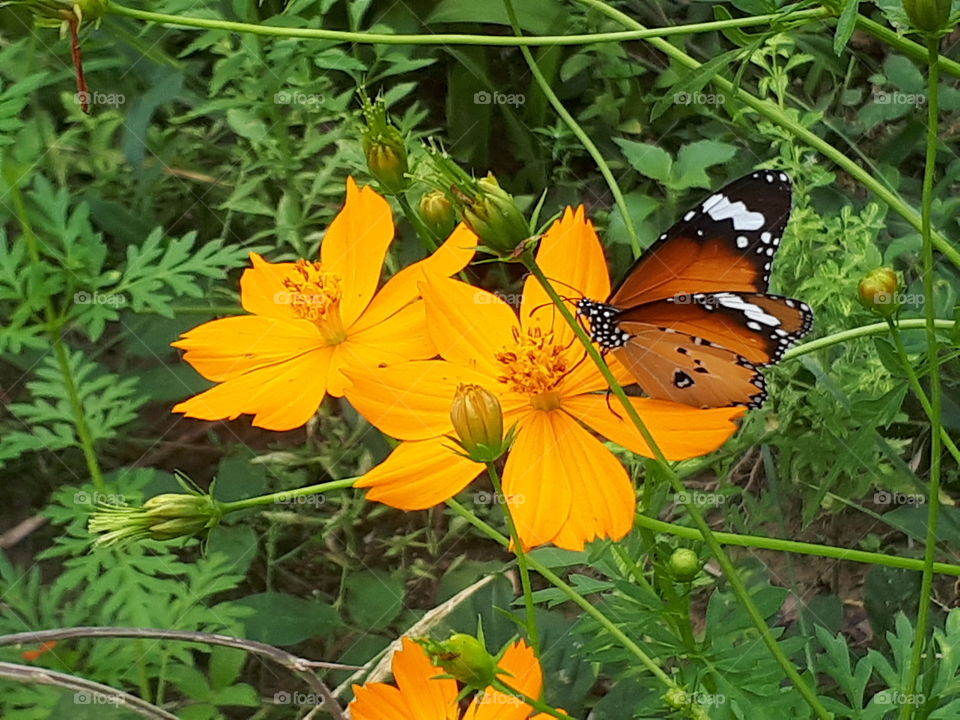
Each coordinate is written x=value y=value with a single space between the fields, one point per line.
x=464 y=657
x=477 y=419
x=163 y=517
x=494 y=217
x=878 y=291
x=437 y=212
x=684 y=564
x=928 y=15
x=384 y=147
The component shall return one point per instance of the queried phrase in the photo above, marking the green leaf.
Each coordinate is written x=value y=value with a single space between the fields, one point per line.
x=693 y=160
x=374 y=598
x=225 y=665
x=282 y=619
x=846 y=24
x=649 y=160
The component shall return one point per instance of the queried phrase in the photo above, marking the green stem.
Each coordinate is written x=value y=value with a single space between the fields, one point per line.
x=440 y=39
x=774 y=113
x=579 y=132
x=858 y=332
x=575 y=597
x=793 y=546
x=429 y=240
x=933 y=355
x=918 y=388
x=54 y=327
x=532 y=702
x=533 y=633
x=285 y=496
x=733 y=577
x=904 y=45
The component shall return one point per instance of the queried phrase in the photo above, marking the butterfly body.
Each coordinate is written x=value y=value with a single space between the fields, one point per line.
x=693 y=321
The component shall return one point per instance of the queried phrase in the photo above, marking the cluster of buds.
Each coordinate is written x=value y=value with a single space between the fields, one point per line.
x=384 y=147
x=163 y=517
x=483 y=206
x=477 y=419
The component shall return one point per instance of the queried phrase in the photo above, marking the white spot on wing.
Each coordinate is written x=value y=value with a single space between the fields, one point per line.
x=719 y=207
x=753 y=312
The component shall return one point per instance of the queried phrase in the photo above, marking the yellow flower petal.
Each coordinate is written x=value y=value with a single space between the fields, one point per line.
x=571 y=256
x=523 y=674
x=225 y=348
x=418 y=475
x=468 y=326
x=681 y=431
x=262 y=289
x=564 y=486
x=281 y=397
x=403 y=288
x=379 y=701
x=354 y=247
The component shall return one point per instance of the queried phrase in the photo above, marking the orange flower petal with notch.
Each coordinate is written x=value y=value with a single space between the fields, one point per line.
x=564 y=486
x=448 y=259
x=571 y=256
x=354 y=247
x=681 y=431
x=418 y=695
x=411 y=401
x=419 y=474
x=469 y=326
x=281 y=397
x=523 y=674
x=262 y=289
x=229 y=347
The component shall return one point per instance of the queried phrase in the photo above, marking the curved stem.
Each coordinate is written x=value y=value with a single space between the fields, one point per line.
x=933 y=357
x=285 y=496
x=777 y=115
x=858 y=332
x=370 y=38
x=904 y=45
x=533 y=632
x=575 y=597
x=579 y=132
x=733 y=577
x=794 y=546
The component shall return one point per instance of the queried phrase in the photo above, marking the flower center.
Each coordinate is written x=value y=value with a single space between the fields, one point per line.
x=315 y=296
x=533 y=366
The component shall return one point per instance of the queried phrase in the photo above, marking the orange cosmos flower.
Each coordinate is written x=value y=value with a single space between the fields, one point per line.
x=309 y=320
x=420 y=695
x=563 y=486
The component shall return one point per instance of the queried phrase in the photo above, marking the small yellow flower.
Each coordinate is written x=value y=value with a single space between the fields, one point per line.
x=309 y=320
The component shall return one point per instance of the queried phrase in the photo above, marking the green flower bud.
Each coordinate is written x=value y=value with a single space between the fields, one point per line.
x=676 y=698
x=384 y=147
x=928 y=15
x=684 y=564
x=163 y=517
x=878 y=291
x=495 y=218
x=57 y=13
x=477 y=420
x=463 y=657
x=437 y=212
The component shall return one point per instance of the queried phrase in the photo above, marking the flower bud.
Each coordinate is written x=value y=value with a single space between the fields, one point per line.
x=465 y=658
x=57 y=13
x=684 y=564
x=163 y=517
x=676 y=698
x=437 y=212
x=477 y=420
x=486 y=208
x=384 y=148
x=878 y=291
x=495 y=218
x=928 y=15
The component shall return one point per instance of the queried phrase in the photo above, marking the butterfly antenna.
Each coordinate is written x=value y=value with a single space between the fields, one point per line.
x=609 y=407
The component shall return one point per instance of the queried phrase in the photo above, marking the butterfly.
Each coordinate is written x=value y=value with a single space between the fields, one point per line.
x=692 y=321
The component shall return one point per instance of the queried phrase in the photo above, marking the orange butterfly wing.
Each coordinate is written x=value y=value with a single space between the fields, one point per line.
x=724 y=244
